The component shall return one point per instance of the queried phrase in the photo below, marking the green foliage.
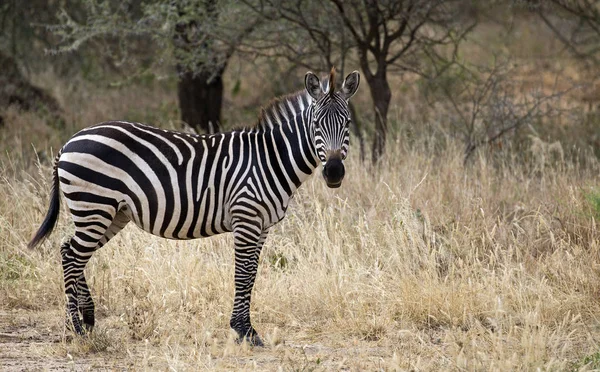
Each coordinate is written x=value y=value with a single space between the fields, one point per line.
x=160 y=116
x=144 y=78
x=278 y=260
x=593 y=198
x=588 y=127
x=197 y=35
x=236 y=88
x=452 y=82
x=20 y=37
x=14 y=267
x=590 y=362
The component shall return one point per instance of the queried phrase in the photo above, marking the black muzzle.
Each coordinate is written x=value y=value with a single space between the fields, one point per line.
x=334 y=172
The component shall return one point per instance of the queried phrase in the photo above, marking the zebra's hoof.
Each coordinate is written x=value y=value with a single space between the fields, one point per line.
x=250 y=336
x=87 y=328
x=79 y=329
x=246 y=333
x=75 y=327
x=253 y=340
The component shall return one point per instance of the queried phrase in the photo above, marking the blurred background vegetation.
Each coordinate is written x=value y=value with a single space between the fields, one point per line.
x=501 y=76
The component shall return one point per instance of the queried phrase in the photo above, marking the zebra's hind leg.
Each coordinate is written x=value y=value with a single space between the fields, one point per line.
x=84 y=297
x=249 y=238
x=85 y=303
x=74 y=258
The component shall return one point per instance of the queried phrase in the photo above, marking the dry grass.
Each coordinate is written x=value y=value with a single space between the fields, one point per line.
x=420 y=265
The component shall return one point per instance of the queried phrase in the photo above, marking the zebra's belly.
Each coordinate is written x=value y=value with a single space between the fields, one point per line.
x=183 y=225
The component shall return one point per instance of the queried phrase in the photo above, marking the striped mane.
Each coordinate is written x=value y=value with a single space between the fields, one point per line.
x=288 y=105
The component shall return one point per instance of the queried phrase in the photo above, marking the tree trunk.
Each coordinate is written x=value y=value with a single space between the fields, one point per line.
x=381 y=95
x=200 y=89
x=15 y=89
x=200 y=100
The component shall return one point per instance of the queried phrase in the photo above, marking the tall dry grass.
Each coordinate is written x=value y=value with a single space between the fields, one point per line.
x=421 y=264
x=418 y=264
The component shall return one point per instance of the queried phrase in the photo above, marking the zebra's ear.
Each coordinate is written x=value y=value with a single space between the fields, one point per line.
x=350 y=85
x=313 y=86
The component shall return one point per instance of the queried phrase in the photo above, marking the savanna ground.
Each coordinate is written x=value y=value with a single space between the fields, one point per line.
x=421 y=263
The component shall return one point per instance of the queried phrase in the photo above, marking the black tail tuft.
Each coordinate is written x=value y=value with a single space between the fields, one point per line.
x=52 y=215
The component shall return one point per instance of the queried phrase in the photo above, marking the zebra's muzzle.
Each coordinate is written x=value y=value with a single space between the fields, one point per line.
x=333 y=172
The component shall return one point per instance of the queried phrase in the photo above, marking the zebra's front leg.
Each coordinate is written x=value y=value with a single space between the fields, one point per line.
x=249 y=239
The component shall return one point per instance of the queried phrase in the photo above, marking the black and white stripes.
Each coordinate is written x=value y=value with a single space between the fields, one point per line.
x=183 y=186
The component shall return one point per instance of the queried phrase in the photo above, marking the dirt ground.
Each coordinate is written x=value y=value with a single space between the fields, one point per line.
x=29 y=341
x=35 y=341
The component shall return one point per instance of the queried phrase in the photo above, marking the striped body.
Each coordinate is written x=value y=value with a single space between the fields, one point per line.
x=184 y=186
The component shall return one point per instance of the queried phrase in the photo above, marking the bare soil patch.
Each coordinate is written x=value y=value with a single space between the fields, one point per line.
x=32 y=341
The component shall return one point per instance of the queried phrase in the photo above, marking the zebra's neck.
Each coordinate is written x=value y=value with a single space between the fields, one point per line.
x=286 y=124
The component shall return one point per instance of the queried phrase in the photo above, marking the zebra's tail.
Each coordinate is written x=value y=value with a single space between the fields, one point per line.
x=52 y=215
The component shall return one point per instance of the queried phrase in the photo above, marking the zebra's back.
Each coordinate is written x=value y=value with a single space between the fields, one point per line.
x=172 y=184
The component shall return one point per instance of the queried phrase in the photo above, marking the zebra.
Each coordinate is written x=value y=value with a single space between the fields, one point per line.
x=184 y=186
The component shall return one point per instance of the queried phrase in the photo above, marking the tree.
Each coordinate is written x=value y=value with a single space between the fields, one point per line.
x=19 y=38
x=399 y=36
x=200 y=87
x=289 y=32
x=576 y=23
x=21 y=51
x=193 y=34
x=15 y=89
x=389 y=36
x=486 y=104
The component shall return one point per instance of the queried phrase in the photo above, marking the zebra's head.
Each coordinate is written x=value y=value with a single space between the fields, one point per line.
x=331 y=122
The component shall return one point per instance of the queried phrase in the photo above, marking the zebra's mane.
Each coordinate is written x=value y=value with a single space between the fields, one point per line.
x=288 y=106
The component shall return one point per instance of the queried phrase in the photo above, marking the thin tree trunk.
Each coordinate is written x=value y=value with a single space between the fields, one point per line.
x=381 y=95
x=199 y=89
